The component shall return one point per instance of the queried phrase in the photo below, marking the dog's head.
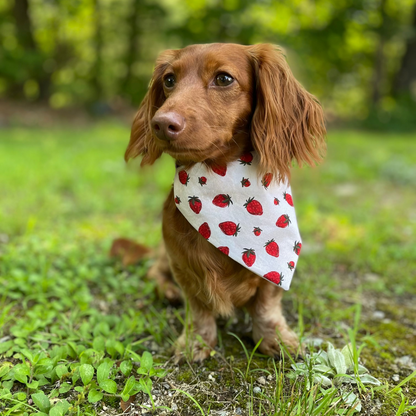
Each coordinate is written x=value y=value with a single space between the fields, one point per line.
x=212 y=102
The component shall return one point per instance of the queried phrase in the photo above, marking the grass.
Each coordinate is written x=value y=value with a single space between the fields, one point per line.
x=76 y=327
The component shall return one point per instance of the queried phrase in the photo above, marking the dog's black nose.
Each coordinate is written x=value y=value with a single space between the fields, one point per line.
x=168 y=126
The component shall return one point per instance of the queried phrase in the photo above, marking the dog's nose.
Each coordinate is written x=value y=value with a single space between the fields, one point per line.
x=167 y=126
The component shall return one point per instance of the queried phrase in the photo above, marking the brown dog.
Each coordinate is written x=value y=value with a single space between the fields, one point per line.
x=210 y=103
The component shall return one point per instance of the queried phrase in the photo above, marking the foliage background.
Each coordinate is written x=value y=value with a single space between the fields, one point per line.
x=357 y=56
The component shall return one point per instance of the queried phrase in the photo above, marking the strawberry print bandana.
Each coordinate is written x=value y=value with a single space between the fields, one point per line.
x=248 y=218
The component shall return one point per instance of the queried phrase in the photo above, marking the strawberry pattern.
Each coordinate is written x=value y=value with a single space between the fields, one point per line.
x=248 y=217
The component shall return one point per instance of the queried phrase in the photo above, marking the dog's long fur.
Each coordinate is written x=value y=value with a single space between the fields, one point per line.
x=264 y=109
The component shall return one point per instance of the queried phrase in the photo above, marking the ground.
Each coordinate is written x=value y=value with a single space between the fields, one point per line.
x=75 y=324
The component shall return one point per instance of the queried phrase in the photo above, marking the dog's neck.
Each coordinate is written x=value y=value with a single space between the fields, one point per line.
x=236 y=146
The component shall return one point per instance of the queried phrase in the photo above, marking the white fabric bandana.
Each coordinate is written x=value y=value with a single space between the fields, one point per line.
x=250 y=219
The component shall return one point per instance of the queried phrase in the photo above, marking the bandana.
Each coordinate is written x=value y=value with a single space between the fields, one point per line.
x=248 y=218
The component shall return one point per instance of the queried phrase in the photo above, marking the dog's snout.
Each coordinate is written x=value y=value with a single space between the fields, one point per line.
x=168 y=126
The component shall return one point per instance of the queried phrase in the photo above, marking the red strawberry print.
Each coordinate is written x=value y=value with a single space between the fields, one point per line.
x=257 y=231
x=283 y=221
x=204 y=230
x=177 y=200
x=220 y=170
x=291 y=265
x=253 y=207
x=274 y=277
x=195 y=204
x=297 y=247
x=288 y=199
x=249 y=256
x=183 y=177
x=245 y=183
x=202 y=180
x=267 y=178
x=230 y=228
x=222 y=200
x=225 y=250
x=246 y=159
x=272 y=248
x=276 y=201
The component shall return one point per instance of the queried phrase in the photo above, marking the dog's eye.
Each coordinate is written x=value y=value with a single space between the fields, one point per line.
x=169 y=81
x=222 y=80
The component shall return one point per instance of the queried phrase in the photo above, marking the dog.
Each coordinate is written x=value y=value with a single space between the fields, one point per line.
x=208 y=104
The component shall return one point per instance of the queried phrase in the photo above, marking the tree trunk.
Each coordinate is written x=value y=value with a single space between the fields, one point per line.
x=379 y=59
x=26 y=39
x=407 y=71
x=98 y=40
x=24 y=24
x=131 y=51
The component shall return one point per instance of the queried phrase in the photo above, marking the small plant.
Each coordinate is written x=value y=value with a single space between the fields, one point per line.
x=332 y=368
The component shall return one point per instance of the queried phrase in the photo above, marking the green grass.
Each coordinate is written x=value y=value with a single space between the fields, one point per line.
x=75 y=326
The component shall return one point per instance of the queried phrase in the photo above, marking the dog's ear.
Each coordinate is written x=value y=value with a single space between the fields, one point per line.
x=141 y=139
x=288 y=122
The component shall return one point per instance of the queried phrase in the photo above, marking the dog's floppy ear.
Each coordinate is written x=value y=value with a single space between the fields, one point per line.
x=288 y=122
x=141 y=140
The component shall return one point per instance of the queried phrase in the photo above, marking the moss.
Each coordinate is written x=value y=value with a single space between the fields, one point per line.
x=185 y=376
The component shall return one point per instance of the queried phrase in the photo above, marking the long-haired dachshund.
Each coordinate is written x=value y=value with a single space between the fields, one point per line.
x=211 y=103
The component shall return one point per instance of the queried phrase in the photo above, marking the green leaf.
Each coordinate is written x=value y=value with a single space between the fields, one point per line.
x=126 y=367
x=65 y=388
x=79 y=389
x=348 y=355
x=337 y=360
x=323 y=369
x=33 y=385
x=41 y=401
x=119 y=347
x=95 y=396
x=325 y=381
x=86 y=371
x=21 y=372
x=350 y=399
x=8 y=384
x=109 y=386
x=160 y=372
x=99 y=343
x=146 y=363
x=367 y=379
x=45 y=365
x=5 y=394
x=362 y=369
x=20 y=396
x=61 y=370
x=4 y=346
x=28 y=354
x=110 y=346
x=60 y=408
x=5 y=368
x=146 y=383
x=128 y=388
x=103 y=371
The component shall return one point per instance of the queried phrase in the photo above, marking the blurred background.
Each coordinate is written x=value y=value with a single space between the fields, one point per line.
x=357 y=56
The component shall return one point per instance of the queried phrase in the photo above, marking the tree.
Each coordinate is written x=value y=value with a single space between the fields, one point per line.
x=406 y=75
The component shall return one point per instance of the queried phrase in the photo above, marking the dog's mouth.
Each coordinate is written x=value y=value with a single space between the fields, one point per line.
x=192 y=154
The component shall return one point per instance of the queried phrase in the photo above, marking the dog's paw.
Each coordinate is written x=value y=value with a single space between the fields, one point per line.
x=281 y=342
x=187 y=347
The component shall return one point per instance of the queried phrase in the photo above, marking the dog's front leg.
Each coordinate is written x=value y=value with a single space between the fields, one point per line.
x=199 y=335
x=269 y=322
